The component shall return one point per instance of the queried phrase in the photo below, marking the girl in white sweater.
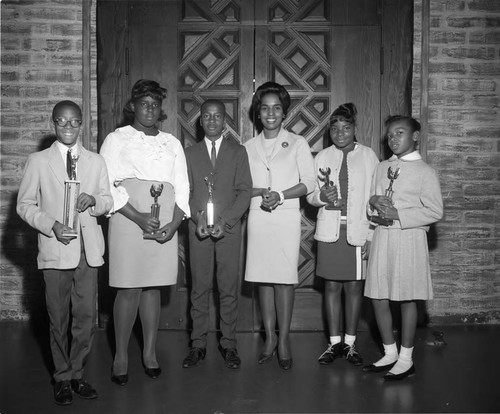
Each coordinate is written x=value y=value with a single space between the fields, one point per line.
x=342 y=229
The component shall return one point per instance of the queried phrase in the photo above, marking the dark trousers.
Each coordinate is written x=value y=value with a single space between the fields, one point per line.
x=224 y=255
x=77 y=287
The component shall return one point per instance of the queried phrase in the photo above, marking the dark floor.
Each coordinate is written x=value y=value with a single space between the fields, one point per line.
x=459 y=377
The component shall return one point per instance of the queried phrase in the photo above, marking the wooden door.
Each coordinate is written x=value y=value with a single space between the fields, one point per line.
x=324 y=52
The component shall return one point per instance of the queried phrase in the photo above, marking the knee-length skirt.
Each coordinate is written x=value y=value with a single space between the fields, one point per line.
x=339 y=260
x=133 y=261
x=398 y=265
x=273 y=246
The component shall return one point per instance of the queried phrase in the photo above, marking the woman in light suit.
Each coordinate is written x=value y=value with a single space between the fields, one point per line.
x=282 y=169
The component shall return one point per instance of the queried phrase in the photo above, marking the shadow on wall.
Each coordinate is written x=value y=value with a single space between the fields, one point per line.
x=20 y=246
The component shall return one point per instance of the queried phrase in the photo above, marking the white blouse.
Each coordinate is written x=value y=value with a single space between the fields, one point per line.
x=130 y=153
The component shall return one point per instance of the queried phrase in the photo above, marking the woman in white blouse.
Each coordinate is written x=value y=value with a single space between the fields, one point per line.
x=142 y=248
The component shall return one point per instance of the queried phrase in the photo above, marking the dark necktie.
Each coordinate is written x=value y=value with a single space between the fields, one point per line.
x=213 y=154
x=69 y=161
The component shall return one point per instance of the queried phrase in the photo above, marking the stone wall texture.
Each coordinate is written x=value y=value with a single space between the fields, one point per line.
x=41 y=57
x=463 y=143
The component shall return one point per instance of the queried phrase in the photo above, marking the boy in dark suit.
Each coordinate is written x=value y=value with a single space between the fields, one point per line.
x=220 y=165
x=69 y=258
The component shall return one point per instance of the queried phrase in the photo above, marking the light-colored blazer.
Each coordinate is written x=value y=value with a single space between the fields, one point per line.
x=40 y=204
x=290 y=163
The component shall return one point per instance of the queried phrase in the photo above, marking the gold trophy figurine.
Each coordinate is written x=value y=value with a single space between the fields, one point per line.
x=71 y=193
x=155 y=191
x=325 y=177
x=391 y=175
x=210 y=204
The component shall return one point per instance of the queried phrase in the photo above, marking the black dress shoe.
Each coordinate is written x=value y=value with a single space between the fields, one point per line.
x=83 y=389
x=263 y=358
x=194 y=357
x=119 y=379
x=397 y=377
x=285 y=364
x=231 y=358
x=377 y=368
x=62 y=393
x=153 y=372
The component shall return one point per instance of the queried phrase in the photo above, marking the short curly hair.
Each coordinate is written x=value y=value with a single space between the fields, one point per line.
x=142 y=88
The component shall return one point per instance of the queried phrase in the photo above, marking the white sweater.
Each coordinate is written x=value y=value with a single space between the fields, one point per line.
x=361 y=163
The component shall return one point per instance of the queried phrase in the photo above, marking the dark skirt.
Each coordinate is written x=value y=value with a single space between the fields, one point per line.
x=339 y=260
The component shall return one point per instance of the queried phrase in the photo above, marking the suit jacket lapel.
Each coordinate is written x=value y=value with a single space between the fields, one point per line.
x=82 y=163
x=56 y=163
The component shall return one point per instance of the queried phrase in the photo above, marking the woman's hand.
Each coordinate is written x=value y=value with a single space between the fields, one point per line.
x=165 y=233
x=384 y=206
x=365 y=250
x=270 y=200
x=329 y=195
x=147 y=223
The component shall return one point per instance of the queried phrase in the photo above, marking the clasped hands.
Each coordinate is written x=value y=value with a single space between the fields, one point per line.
x=202 y=231
x=384 y=207
x=270 y=199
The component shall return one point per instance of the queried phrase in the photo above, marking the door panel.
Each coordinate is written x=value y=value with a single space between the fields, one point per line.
x=321 y=67
x=324 y=52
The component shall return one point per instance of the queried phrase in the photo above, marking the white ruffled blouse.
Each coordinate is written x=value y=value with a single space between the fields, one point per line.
x=130 y=153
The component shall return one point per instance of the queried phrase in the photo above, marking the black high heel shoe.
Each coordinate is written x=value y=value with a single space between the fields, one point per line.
x=119 y=379
x=153 y=373
x=285 y=363
x=263 y=358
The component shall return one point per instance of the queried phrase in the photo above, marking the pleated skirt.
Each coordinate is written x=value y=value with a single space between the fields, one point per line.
x=398 y=265
x=133 y=261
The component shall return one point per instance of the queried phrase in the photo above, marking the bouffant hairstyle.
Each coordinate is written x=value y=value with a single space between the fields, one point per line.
x=346 y=113
x=142 y=88
x=271 y=87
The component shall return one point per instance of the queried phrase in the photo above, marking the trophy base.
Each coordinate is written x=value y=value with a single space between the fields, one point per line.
x=329 y=207
x=381 y=221
x=151 y=236
x=70 y=234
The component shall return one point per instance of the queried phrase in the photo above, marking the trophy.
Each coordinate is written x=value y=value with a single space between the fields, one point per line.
x=391 y=175
x=210 y=204
x=325 y=177
x=155 y=191
x=71 y=193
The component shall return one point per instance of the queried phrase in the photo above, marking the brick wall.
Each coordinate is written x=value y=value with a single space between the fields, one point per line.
x=463 y=145
x=41 y=55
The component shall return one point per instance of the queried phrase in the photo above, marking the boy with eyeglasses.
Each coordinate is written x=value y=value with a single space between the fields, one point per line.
x=69 y=262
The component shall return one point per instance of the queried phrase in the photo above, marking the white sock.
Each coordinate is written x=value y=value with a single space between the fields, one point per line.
x=335 y=339
x=405 y=361
x=349 y=339
x=390 y=355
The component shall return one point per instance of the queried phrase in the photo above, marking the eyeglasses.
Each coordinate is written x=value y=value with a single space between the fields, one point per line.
x=62 y=122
